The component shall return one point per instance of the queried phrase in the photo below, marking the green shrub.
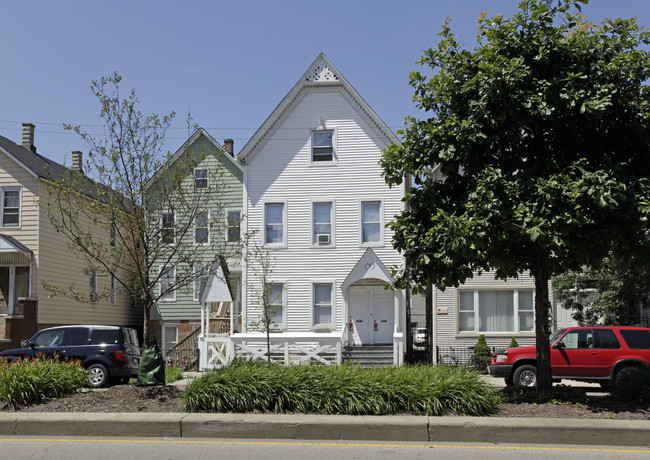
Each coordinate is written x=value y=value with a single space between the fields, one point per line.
x=632 y=384
x=482 y=354
x=347 y=389
x=29 y=381
x=172 y=374
x=513 y=343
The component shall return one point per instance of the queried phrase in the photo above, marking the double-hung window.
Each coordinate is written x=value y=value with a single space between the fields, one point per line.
x=322 y=219
x=371 y=223
x=11 y=206
x=167 y=278
x=274 y=223
x=274 y=299
x=495 y=310
x=233 y=226
x=202 y=227
x=322 y=296
x=167 y=228
x=322 y=146
x=200 y=178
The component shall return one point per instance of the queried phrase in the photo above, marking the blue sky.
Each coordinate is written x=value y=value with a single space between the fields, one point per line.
x=228 y=63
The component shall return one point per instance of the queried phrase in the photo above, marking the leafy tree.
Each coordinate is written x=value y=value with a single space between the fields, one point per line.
x=534 y=155
x=612 y=293
x=145 y=202
x=261 y=264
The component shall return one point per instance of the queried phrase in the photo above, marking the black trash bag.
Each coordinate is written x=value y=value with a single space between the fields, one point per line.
x=152 y=365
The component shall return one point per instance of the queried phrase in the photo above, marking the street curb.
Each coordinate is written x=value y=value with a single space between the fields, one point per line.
x=331 y=427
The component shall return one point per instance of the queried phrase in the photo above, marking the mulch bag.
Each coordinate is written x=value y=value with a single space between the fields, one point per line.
x=152 y=365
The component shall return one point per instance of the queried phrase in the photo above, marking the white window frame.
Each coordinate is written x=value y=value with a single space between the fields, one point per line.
x=313 y=238
x=2 y=205
x=283 y=243
x=312 y=299
x=228 y=226
x=113 y=290
x=93 y=287
x=172 y=294
x=207 y=227
x=475 y=312
x=382 y=223
x=162 y=228
x=283 y=323
x=207 y=178
x=163 y=335
x=331 y=162
x=199 y=274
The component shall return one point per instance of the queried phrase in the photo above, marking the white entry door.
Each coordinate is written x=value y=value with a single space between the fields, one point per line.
x=370 y=315
x=383 y=315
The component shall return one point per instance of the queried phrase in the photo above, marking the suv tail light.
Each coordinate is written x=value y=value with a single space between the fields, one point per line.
x=120 y=356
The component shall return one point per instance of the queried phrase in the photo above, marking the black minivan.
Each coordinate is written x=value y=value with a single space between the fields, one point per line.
x=110 y=353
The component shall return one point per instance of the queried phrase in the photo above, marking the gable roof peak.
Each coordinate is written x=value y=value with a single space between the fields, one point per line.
x=321 y=70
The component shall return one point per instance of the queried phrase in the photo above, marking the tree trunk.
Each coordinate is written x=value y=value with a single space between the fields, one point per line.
x=145 y=324
x=542 y=309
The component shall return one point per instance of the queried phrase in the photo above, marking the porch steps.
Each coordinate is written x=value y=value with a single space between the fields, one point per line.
x=369 y=355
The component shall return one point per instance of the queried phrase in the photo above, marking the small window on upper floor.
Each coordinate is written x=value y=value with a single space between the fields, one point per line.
x=11 y=206
x=167 y=228
x=322 y=146
x=200 y=178
x=233 y=224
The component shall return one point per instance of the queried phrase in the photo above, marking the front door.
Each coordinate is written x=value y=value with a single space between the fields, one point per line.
x=371 y=318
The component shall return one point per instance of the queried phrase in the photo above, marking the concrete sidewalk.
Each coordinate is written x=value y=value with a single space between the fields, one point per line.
x=330 y=427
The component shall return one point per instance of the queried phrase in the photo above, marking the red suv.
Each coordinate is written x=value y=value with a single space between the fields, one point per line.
x=587 y=354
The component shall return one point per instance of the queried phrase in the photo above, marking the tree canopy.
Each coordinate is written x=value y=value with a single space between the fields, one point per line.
x=533 y=156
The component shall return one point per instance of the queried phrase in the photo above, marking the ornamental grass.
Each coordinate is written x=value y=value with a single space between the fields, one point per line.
x=346 y=390
x=29 y=381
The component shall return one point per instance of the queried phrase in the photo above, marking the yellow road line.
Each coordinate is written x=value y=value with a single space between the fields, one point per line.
x=325 y=444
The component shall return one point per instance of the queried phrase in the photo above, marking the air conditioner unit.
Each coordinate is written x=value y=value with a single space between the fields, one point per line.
x=323 y=238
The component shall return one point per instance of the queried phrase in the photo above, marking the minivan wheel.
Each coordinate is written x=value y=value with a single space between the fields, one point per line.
x=97 y=375
x=525 y=376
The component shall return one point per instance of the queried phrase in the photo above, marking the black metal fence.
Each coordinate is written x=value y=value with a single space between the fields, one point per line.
x=457 y=356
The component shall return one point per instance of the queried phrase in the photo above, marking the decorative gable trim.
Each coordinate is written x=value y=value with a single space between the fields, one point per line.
x=368 y=267
x=321 y=73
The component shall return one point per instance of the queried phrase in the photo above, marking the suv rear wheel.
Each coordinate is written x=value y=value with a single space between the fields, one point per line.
x=525 y=376
x=98 y=375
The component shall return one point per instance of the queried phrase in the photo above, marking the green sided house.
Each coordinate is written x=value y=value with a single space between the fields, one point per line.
x=215 y=235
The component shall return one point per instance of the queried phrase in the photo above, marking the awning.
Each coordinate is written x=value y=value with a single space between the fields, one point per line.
x=13 y=252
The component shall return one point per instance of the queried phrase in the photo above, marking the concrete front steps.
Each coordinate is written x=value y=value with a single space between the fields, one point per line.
x=369 y=355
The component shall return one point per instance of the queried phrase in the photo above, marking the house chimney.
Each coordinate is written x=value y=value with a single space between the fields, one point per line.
x=28 y=136
x=77 y=163
x=228 y=145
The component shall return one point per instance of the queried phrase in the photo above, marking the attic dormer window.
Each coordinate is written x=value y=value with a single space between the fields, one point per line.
x=322 y=146
x=201 y=178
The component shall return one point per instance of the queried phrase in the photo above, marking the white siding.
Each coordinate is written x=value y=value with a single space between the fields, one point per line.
x=280 y=171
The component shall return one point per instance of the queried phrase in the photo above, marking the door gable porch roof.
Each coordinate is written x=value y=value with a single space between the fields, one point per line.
x=369 y=266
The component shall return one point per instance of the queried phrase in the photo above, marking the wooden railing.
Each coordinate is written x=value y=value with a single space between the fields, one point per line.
x=185 y=353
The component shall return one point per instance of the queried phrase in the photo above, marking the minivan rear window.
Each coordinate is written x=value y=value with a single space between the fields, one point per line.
x=636 y=339
x=107 y=336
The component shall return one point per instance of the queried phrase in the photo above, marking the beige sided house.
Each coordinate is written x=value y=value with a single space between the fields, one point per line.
x=31 y=251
